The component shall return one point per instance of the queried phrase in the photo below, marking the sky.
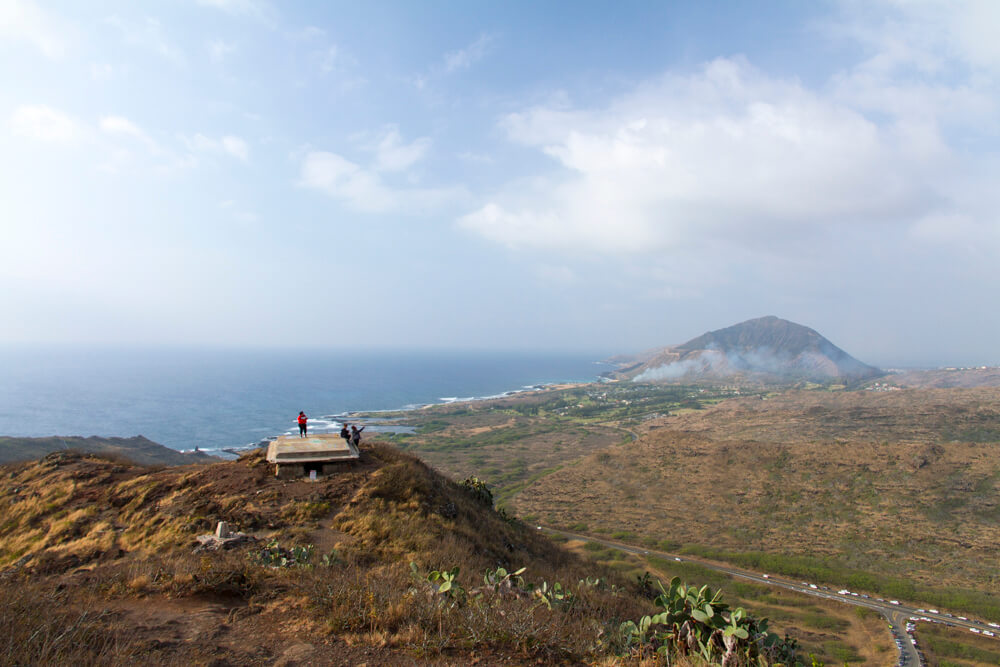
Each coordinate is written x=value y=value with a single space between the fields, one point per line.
x=516 y=175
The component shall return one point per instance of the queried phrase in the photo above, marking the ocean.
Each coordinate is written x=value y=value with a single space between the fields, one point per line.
x=219 y=399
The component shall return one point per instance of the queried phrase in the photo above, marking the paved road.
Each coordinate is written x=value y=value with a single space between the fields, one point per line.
x=616 y=425
x=897 y=614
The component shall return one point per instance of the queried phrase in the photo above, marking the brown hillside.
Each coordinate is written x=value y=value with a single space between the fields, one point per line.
x=97 y=567
x=902 y=483
x=943 y=378
x=137 y=448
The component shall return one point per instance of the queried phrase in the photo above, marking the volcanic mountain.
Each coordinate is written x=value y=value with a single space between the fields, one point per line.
x=766 y=348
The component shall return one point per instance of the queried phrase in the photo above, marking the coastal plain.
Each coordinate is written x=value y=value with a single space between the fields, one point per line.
x=881 y=488
x=886 y=490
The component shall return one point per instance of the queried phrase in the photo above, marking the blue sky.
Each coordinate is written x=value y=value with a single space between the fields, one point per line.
x=581 y=176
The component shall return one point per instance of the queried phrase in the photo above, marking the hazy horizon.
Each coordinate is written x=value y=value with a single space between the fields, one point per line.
x=386 y=175
x=597 y=355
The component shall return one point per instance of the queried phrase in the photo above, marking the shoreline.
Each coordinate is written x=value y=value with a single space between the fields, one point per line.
x=331 y=423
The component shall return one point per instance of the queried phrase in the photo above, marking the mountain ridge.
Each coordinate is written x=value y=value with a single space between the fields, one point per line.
x=138 y=448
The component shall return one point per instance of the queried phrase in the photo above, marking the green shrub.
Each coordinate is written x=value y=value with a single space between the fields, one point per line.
x=695 y=622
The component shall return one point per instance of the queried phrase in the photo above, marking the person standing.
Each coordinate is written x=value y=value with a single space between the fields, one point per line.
x=303 y=420
x=356 y=435
x=345 y=434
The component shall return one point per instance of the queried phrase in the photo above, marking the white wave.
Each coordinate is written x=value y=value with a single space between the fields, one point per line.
x=455 y=399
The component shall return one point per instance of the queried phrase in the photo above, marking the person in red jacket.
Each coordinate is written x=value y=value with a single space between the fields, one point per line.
x=302 y=424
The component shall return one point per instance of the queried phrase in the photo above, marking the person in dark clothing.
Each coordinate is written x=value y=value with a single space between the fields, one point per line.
x=356 y=435
x=302 y=424
x=345 y=433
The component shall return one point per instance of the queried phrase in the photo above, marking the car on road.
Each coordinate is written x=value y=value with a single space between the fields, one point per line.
x=767 y=576
x=893 y=601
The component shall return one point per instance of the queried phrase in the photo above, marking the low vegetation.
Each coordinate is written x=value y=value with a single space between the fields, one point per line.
x=137 y=448
x=384 y=563
x=695 y=621
x=950 y=646
x=893 y=493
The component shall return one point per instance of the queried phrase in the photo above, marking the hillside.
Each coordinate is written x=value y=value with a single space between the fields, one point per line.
x=88 y=533
x=901 y=485
x=385 y=563
x=944 y=378
x=138 y=449
x=762 y=349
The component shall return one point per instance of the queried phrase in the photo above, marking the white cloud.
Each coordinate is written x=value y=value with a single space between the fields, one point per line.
x=333 y=62
x=931 y=60
x=392 y=154
x=24 y=20
x=147 y=34
x=475 y=158
x=364 y=190
x=725 y=154
x=463 y=59
x=119 y=125
x=310 y=32
x=328 y=58
x=453 y=62
x=342 y=179
x=929 y=36
x=975 y=29
x=219 y=50
x=101 y=71
x=252 y=8
x=228 y=144
x=237 y=212
x=44 y=123
x=236 y=147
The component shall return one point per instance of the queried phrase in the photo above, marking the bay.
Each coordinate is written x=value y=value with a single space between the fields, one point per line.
x=216 y=398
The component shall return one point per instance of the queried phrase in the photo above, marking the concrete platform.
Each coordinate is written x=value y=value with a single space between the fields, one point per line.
x=296 y=457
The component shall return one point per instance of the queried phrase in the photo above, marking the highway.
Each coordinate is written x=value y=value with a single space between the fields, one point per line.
x=896 y=614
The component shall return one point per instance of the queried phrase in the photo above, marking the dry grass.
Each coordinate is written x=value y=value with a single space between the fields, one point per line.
x=388 y=603
x=871 y=481
x=952 y=646
x=496 y=443
x=119 y=539
x=821 y=627
x=39 y=627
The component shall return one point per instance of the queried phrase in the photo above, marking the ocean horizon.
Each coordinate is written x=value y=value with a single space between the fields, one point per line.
x=231 y=398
